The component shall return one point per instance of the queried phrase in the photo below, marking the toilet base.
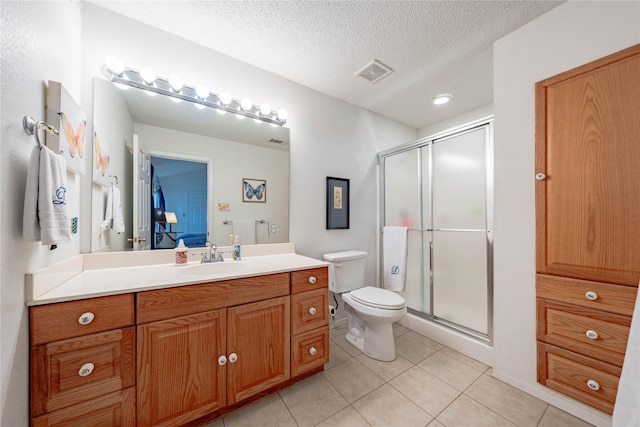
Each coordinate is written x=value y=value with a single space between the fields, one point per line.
x=377 y=342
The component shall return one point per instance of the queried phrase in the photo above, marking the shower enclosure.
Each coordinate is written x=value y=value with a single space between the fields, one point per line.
x=441 y=189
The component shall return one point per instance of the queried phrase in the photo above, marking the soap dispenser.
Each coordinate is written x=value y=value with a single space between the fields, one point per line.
x=181 y=253
x=236 y=250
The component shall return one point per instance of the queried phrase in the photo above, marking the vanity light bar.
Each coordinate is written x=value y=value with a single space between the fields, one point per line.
x=131 y=77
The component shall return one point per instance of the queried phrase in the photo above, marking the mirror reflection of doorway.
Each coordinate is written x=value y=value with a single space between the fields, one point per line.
x=179 y=202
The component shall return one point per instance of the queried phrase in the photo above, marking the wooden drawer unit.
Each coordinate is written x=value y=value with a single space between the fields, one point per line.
x=115 y=409
x=54 y=322
x=590 y=332
x=64 y=373
x=309 y=310
x=185 y=300
x=309 y=350
x=617 y=299
x=308 y=280
x=588 y=380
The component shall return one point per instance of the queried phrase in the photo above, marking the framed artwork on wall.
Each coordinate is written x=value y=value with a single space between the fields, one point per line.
x=254 y=190
x=67 y=116
x=337 y=203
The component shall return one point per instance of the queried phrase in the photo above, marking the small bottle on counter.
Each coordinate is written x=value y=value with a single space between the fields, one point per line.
x=181 y=253
x=236 y=250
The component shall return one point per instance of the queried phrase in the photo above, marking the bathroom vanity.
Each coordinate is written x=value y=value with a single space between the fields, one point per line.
x=185 y=343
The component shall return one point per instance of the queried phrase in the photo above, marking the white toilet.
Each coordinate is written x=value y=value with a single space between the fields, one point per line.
x=370 y=310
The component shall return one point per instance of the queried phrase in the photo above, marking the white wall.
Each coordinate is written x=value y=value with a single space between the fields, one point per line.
x=566 y=37
x=40 y=42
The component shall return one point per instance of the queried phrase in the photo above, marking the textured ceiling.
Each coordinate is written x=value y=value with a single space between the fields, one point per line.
x=432 y=46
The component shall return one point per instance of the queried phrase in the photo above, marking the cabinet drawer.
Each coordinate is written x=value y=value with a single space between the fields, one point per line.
x=54 y=322
x=309 y=310
x=166 y=303
x=593 y=333
x=307 y=280
x=67 y=372
x=619 y=299
x=115 y=409
x=309 y=351
x=588 y=380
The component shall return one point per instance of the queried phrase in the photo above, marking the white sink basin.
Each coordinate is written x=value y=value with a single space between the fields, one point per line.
x=215 y=268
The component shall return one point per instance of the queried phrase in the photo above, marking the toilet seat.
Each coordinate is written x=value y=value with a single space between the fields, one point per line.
x=378 y=298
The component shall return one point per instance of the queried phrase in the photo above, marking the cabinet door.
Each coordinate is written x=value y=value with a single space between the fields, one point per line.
x=258 y=347
x=587 y=157
x=179 y=378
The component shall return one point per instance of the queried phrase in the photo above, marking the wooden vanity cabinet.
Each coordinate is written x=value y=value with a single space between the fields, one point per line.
x=193 y=363
x=82 y=362
x=587 y=224
x=309 y=320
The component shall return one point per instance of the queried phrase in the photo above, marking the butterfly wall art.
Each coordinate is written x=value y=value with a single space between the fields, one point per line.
x=254 y=190
x=100 y=160
x=71 y=122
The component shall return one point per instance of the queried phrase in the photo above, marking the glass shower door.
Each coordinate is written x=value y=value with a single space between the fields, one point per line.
x=460 y=288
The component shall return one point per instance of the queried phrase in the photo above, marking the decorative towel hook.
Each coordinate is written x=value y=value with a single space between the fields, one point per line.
x=114 y=176
x=32 y=127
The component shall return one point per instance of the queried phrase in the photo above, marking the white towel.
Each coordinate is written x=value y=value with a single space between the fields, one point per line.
x=30 y=224
x=394 y=241
x=626 y=411
x=53 y=216
x=246 y=231
x=113 y=215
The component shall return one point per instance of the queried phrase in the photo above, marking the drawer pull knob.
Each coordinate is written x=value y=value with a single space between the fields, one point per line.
x=222 y=360
x=312 y=280
x=540 y=176
x=86 y=318
x=312 y=311
x=233 y=358
x=593 y=385
x=312 y=351
x=86 y=369
x=592 y=335
x=591 y=296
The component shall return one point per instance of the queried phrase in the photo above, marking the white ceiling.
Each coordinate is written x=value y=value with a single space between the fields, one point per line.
x=432 y=46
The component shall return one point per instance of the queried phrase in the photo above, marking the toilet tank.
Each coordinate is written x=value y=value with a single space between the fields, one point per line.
x=347 y=270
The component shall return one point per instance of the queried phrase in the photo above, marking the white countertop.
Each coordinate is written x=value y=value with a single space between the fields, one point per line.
x=68 y=281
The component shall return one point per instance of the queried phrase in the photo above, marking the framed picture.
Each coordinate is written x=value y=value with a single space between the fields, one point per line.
x=337 y=203
x=100 y=160
x=67 y=116
x=254 y=190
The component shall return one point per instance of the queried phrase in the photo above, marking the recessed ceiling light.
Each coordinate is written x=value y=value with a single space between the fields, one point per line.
x=442 y=99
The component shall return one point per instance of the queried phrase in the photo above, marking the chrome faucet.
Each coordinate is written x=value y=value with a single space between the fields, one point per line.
x=212 y=255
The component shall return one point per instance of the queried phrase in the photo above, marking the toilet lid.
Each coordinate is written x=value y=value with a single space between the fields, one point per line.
x=377 y=297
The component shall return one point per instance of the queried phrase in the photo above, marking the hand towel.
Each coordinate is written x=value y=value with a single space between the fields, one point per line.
x=55 y=223
x=246 y=231
x=30 y=224
x=394 y=241
x=626 y=411
x=114 y=210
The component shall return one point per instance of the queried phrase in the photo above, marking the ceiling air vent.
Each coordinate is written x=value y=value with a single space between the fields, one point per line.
x=374 y=71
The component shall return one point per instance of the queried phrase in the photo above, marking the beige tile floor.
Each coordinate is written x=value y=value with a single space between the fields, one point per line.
x=427 y=385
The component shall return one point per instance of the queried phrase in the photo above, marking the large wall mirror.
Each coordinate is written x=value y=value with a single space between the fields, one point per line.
x=205 y=171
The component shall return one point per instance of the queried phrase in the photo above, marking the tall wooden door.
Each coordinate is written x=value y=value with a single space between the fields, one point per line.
x=179 y=377
x=588 y=171
x=258 y=347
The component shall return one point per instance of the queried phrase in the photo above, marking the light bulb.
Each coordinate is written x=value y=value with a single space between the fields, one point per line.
x=148 y=75
x=265 y=109
x=202 y=91
x=176 y=82
x=225 y=98
x=282 y=114
x=442 y=99
x=114 y=65
x=246 y=104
